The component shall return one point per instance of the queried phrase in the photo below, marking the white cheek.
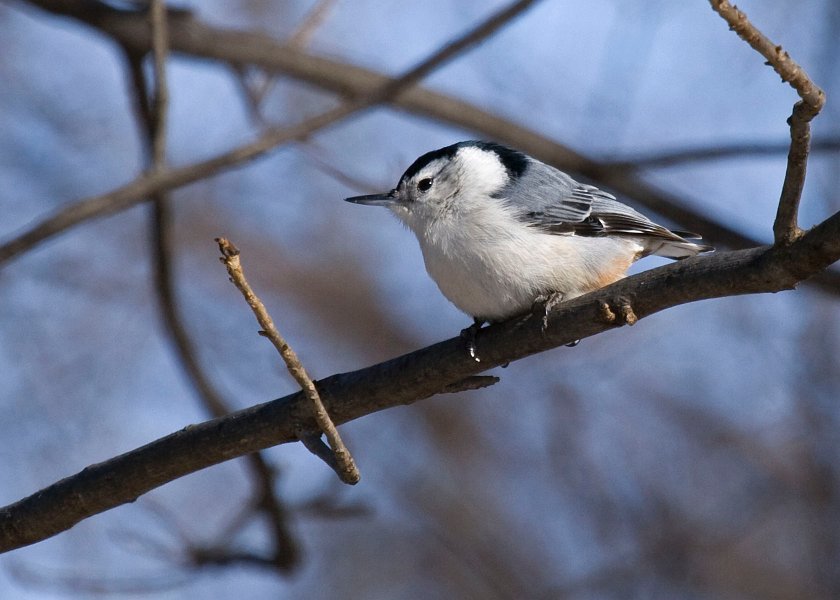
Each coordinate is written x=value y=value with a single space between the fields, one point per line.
x=486 y=173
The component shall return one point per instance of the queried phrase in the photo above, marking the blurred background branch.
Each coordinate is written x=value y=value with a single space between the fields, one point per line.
x=152 y=108
x=190 y=36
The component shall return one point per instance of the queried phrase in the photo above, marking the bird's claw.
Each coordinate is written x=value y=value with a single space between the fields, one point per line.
x=544 y=304
x=469 y=335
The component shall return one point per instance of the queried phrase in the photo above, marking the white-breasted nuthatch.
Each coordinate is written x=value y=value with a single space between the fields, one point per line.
x=500 y=229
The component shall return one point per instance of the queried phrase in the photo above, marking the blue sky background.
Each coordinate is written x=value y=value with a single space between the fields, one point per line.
x=673 y=459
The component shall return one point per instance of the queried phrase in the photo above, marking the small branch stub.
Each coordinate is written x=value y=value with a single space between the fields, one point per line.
x=606 y=313
x=343 y=462
x=619 y=313
x=626 y=314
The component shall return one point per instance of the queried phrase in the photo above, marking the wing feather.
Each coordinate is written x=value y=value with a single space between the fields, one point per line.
x=553 y=201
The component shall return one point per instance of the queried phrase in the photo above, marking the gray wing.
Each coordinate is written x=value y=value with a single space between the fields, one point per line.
x=543 y=196
x=551 y=200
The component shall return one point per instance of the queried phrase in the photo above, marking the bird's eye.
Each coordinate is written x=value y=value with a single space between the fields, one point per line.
x=424 y=184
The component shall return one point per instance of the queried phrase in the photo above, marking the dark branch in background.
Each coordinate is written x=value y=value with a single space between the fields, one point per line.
x=343 y=462
x=254 y=84
x=785 y=228
x=672 y=158
x=160 y=100
x=144 y=186
x=248 y=49
x=391 y=89
x=153 y=112
x=409 y=378
x=315 y=154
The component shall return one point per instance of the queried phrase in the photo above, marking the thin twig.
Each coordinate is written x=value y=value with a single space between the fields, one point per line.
x=160 y=99
x=346 y=470
x=776 y=56
x=449 y=51
x=253 y=90
x=785 y=228
x=314 y=19
x=314 y=443
x=706 y=153
x=312 y=152
x=139 y=190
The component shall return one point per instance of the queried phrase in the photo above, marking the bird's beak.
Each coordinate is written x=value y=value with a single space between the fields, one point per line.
x=386 y=199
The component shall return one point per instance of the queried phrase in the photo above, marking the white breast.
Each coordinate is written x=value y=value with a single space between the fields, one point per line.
x=492 y=266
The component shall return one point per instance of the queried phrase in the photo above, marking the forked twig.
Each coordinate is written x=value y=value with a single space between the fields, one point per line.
x=344 y=464
x=785 y=227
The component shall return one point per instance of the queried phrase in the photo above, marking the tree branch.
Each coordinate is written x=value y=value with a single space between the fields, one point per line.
x=409 y=378
x=671 y=158
x=141 y=188
x=160 y=99
x=241 y=49
x=344 y=464
x=316 y=17
x=785 y=228
x=153 y=110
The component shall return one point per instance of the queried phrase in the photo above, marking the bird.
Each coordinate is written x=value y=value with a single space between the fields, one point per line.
x=500 y=230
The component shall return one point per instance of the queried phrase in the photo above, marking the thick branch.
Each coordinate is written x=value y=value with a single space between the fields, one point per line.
x=409 y=378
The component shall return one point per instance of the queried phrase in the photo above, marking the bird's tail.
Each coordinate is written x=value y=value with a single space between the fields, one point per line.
x=682 y=245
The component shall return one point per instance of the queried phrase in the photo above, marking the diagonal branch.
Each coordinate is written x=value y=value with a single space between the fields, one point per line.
x=785 y=228
x=409 y=378
x=344 y=464
x=316 y=17
x=776 y=56
x=138 y=190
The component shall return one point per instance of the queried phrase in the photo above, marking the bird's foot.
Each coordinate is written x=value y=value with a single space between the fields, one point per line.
x=544 y=304
x=469 y=335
